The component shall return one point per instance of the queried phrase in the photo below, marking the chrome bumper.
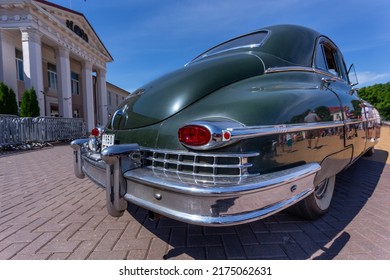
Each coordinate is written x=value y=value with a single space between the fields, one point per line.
x=185 y=198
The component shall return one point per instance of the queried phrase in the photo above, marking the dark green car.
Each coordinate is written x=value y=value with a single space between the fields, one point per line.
x=255 y=125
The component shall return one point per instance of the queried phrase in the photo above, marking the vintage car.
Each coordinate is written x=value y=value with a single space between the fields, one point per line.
x=255 y=125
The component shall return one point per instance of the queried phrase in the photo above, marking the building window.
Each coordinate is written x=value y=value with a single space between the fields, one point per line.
x=117 y=99
x=109 y=98
x=52 y=74
x=74 y=77
x=76 y=113
x=19 y=65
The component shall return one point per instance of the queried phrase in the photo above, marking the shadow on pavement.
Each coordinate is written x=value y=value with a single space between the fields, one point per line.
x=281 y=236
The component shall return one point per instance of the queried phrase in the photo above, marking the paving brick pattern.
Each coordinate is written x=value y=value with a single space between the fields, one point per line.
x=47 y=213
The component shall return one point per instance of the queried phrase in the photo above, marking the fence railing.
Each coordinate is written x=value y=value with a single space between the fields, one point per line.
x=15 y=130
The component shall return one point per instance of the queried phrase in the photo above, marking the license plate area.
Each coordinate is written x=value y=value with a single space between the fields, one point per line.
x=107 y=140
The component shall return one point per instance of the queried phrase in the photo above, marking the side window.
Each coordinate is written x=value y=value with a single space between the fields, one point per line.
x=342 y=67
x=320 y=58
x=329 y=59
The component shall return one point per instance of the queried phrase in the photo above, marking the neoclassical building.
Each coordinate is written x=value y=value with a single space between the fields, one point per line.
x=57 y=52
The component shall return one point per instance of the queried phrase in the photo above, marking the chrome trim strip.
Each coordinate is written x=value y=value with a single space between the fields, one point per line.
x=186 y=153
x=237 y=131
x=302 y=69
x=289 y=69
x=257 y=131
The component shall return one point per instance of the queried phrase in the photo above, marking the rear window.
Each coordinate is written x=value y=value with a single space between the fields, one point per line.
x=247 y=41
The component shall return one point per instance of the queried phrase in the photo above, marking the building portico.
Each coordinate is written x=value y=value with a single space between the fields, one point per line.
x=55 y=51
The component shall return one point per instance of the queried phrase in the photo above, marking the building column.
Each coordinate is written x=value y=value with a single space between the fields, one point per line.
x=102 y=95
x=7 y=62
x=32 y=64
x=88 y=101
x=64 y=82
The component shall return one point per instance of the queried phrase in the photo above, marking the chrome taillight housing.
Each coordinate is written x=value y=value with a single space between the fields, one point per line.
x=194 y=135
x=207 y=134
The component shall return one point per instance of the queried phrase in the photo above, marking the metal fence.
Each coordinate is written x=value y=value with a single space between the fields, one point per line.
x=16 y=131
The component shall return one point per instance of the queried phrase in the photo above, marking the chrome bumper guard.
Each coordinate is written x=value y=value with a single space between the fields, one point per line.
x=76 y=145
x=106 y=170
x=188 y=199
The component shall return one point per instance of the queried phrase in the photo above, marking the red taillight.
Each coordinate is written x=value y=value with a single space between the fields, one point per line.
x=95 y=132
x=194 y=135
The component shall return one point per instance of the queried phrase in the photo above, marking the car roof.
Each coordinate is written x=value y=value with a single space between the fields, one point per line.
x=292 y=43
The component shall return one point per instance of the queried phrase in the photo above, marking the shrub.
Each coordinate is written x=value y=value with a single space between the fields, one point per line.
x=8 y=104
x=29 y=106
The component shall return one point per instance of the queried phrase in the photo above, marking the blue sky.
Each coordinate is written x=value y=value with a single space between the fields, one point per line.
x=148 y=38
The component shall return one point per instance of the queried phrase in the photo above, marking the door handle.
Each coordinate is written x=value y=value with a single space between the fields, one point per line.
x=326 y=81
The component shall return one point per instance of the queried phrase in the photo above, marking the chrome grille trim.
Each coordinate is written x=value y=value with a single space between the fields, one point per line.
x=198 y=164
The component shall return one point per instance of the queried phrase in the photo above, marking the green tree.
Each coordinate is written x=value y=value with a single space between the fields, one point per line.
x=357 y=111
x=29 y=106
x=8 y=103
x=379 y=96
x=324 y=113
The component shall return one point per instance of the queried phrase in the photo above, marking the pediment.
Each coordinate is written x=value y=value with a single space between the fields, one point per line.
x=75 y=22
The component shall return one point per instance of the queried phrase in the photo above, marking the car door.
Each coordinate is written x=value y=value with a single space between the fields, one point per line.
x=329 y=61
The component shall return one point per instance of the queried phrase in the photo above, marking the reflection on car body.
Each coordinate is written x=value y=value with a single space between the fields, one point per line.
x=255 y=125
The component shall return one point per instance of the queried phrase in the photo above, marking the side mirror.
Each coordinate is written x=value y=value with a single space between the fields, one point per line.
x=353 y=80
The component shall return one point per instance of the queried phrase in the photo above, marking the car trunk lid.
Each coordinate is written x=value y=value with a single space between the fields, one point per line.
x=175 y=91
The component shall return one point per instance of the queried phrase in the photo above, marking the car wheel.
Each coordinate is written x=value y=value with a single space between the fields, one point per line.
x=316 y=204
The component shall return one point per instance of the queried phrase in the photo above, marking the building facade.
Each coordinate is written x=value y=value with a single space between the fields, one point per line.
x=55 y=51
x=115 y=96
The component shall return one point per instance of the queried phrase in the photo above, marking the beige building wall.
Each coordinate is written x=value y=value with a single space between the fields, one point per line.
x=115 y=96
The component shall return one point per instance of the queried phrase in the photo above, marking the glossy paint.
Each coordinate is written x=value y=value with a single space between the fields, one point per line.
x=282 y=117
x=240 y=86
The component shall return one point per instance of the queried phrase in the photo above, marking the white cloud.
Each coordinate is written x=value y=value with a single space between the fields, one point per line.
x=369 y=78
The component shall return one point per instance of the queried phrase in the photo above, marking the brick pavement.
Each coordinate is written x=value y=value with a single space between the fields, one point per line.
x=46 y=213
